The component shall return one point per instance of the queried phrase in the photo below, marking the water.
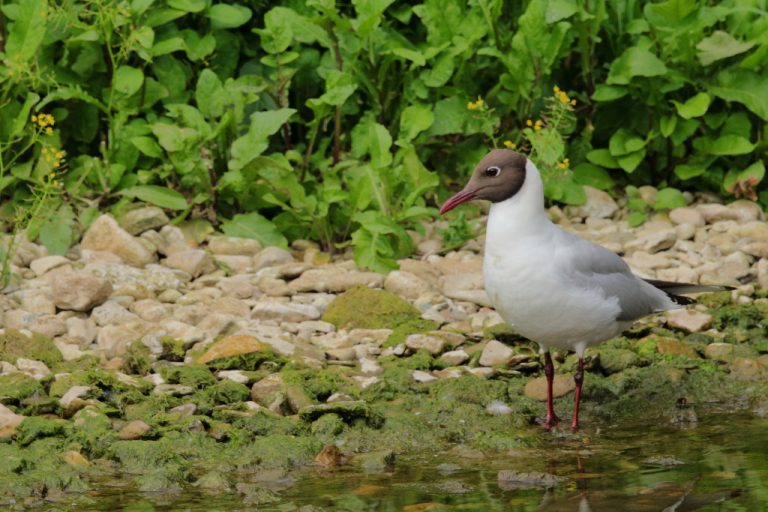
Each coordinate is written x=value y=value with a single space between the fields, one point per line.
x=719 y=464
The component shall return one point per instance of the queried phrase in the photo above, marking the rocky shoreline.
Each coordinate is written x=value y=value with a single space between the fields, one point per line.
x=148 y=338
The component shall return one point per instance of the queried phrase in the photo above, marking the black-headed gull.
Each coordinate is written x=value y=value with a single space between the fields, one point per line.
x=555 y=288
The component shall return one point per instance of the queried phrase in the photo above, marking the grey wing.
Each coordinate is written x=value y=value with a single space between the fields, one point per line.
x=594 y=266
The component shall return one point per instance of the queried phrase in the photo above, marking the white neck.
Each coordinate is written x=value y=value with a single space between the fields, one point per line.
x=521 y=214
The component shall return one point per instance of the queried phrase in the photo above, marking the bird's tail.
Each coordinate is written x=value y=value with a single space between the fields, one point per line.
x=675 y=290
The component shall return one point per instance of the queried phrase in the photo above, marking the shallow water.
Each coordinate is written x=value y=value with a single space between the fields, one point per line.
x=718 y=464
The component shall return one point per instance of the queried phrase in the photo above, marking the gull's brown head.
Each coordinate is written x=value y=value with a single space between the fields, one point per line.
x=499 y=176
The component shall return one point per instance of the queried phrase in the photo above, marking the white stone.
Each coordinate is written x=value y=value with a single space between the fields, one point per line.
x=432 y=344
x=423 y=377
x=455 y=357
x=406 y=284
x=42 y=265
x=79 y=291
x=370 y=367
x=35 y=369
x=687 y=215
x=73 y=393
x=106 y=235
x=192 y=261
x=496 y=353
x=287 y=312
x=688 y=320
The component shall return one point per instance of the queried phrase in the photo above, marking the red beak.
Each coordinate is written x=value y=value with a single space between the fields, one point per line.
x=453 y=202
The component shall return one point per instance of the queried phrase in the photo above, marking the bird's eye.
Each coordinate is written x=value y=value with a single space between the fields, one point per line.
x=492 y=171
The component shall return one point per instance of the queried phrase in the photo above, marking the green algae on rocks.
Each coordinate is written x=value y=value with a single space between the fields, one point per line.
x=363 y=308
x=16 y=387
x=14 y=345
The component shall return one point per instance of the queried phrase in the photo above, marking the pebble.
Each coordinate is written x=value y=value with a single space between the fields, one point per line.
x=496 y=353
x=423 y=377
x=688 y=320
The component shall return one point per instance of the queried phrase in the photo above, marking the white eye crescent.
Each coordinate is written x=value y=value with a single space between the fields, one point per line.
x=492 y=171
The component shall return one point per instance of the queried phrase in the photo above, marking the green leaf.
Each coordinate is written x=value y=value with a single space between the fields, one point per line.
x=338 y=87
x=684 y=129
x=228 y=16
x=188 y=5
x=127 y=80
x=414 y=120
x=560 y=9
x=57 y=233
x=624 y=142
x=172 y=137
x=592 y=175
x=635 y=61
x=379 y=142
x=253 y=143
x=209 y=94
x=694 y=107
x=745 y=87
x=606 y=93
x=573 y=193
x=745 y=181
x=27 y=31
x=667 y=125
x=630 y=162
x=688 y=171
x=148 y=146
x=720 y=45
x=668 y=198
x=256 y=226
x=159 y=196
x=636 y=218
x=731 y=145
x=22 y=118
x=603 y=158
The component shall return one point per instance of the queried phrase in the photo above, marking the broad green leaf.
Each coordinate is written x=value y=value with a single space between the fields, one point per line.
x=636 y=218
x=373 y=251
x=624 y=142
x=256 y=226
x=412 y=55
x=138 y=7
x=688 y=171
x=670 y=14
x=720 y=45
x=730 y=145
x=27 y=30
x=592 y=175
x=743 y=182
x=745 y=87
x=145 y=36
x=128 y=80
x=209 y=94
x=684 y=128
x=23 y=117
x=667 y=125
x=228 y=15
x=560 y=9
x=338 y=87
x=379 y=142
x=668 y=198
x=694 y=107
x=605 y=92
x=170 y=45
x=172 y=137
x=630 y=162
x=573 y=193
x=603 y=158
x=197 y=48
x=255 y=141
x=159 y=196
x=414 y=120
x=148 y=146
x=737 y=123
x=635 y=61
x=57 y=233
x=188 y=5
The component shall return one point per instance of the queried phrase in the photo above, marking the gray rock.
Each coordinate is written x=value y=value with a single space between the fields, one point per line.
x=81 y=330
x=73 y=393
x=192 y=261
x=106 y=235
x=235 y=246
x=687 y=215
x=422 y=376
x=114 y=340
x=465 y=287
x=406 y=284
x=271 y=257
x=79 y=291
x=135 y=429
x=234 y=263
x=455 y=357
x=152 y=277
x=510 y=480
x=688 y=320
x=286 y=312
x=496 y=353
x=40 y=266
x=144 y=218
x=715 y=212
x=173 y=390
x=334 y=279
x=432 y=344
x=599 y=204
x=8 y=419
x=35 y=369
x=112 y=313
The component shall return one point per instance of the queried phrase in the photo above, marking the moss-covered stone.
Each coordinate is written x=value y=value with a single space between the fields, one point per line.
x=319 y=384
x=349 y=412
x=36 y=427
x=364 y=308
x=413 y=326
x=501 y=332
x=16 y=387
x=138 y=359
x=613 y=360
x=14 y=345
x=92 y=430
x=195 y=375
x=223 y=392
x=714 y=300
x=173 y=349
x=80 y=364
x=327 y=427
x=264 y=423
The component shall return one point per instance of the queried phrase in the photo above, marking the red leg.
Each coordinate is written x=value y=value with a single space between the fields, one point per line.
x=549 y=370
x=579 y=380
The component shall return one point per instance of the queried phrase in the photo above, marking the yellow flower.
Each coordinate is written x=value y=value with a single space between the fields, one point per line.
x=538 y=125
x=564 y=164
x=509 y=144
x=529 y=123
x=59 y=154
x=573 y=102
x=57 y=164
x=34 y=118
x=556 y=89
x=48 y=130
x=476 y=105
